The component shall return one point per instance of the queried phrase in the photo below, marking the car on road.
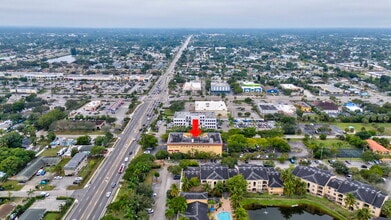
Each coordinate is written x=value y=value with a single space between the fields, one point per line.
x=57 y=177
x=154 y=194
x=108 y=194
x=44 y=194
x=126 y=159
x=131 y=152
x=347 y=162
x=147 y=152
x=113 y=184
x=150 y=210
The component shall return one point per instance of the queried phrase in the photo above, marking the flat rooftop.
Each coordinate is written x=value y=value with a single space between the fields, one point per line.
x=187 y=138
x=194 y=114
x=267 y=107
x=210 y=106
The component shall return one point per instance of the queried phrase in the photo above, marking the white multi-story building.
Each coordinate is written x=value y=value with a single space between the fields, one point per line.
x=206 y=119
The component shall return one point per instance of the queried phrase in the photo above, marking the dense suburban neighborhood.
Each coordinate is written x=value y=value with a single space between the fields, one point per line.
x=195 y=124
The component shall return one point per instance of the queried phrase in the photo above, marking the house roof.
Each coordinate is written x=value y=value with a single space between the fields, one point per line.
x=313 y=174
x=197 y=211
x=75 y=161
x=32 y=214
x=374 y=146
x=195 y=195
x=214 y=172
x=191 y=172
x=360 y=190
x=326 y=105
x=253 y=172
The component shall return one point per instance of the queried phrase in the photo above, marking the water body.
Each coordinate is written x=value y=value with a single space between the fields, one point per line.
x=284 y=213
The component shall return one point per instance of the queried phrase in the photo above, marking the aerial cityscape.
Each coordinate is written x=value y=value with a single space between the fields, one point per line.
x=176 y=111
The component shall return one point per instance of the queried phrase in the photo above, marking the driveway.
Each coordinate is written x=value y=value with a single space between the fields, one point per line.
x=160 y=188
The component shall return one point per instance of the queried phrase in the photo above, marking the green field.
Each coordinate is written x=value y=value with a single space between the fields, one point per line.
x=11 y=185
x=52 y=216
x=328 y=143
x=51 y=152
x=368 y=126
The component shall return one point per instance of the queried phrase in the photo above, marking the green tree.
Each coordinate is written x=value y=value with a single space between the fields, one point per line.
x=156 y=175
x=101 y=141
x=148 y=141
x=51 y=136
x=47 y=119
x=350 y=200
x=237 y=187
x=178 y=204
x=229 y=161
x=83 y=140
x=170 y=214
x=186 y=184
x=386 y=209
x=97 y=150
x=11 y=140
x=363 y=214
x=176 y=169
x=174 y=190
x=74 y=151
x=219 y=189
x=161 y=154
x=241 y=214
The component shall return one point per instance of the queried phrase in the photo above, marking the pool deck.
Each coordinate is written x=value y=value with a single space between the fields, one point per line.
x=225 y=207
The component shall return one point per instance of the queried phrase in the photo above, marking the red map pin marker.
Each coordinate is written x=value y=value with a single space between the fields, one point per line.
x=195 y=131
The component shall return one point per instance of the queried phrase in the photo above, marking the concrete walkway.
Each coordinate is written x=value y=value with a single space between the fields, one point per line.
x=225 y=207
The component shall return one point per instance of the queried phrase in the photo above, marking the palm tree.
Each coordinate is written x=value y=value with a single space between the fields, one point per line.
x=363 y=214
x=186 y=185
x=30 y=192
x=207 y=188
x=170 y=214
x=350 y=200
x=240 y=213
x=218 y=189
x=174 y=190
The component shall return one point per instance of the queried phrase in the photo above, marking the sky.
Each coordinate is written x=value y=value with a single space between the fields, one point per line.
x=197 y=13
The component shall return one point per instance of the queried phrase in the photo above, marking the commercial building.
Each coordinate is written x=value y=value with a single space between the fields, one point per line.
x=271 y=90
x=324 y=184
x=376 y=147
x=265 y=108
x=353 y=107
x=75 y=164
x=218 y=107
x=303 y=107
x=290 y=87
x=92 y=106
x=286 y=109
x=327 y=107
x=206 y=119
x=248 y=87
x=192 y=86
x=259 y=178
x=186 y=143
x=219 y=88
x=24 y=90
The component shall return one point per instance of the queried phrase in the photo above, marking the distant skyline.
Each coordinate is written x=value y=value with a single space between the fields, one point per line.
x=196 y=13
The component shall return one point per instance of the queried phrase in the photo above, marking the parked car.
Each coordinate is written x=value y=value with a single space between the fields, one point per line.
x=57 y=177
x=177 y=177
x=44 y=194
x=364 y=166
x=150 y=210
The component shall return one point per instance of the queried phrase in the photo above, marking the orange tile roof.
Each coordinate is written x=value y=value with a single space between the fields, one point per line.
x=374 y=146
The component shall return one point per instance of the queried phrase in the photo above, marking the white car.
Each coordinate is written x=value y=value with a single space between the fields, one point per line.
x=58 y=177
x=150 y=210
x=147 y=152
x=108 y=194
x=44 y=194
x=126 y=159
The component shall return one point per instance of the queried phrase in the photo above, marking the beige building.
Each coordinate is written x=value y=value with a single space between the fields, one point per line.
x=186 y=143
x=324 y=184
x=218 y=107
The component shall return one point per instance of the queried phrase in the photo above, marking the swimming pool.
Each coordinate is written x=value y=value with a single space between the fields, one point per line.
x=224 y=216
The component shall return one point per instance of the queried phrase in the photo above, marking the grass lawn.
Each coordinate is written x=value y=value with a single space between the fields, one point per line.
x=45 y=187
x=168 y=112
x=11 y=185
x=87 y=172
x=368 y=126
x=320 y=203
x=52 y=216
x=334 y=142
x=51 y=152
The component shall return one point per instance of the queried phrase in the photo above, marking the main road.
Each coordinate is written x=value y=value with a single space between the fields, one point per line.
x=91 y=201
